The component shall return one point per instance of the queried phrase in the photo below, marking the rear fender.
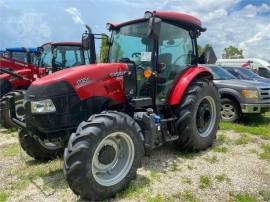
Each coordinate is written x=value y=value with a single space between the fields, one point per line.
x=183 y=82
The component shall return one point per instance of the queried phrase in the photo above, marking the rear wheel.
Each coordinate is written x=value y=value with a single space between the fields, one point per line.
x=35 y=149
x=103 y=155
x=5 y=119
x=230 y=110
x=199 y=115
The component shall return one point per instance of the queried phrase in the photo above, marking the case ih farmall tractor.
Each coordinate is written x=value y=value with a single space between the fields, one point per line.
x=14 y=81
x=152 y=91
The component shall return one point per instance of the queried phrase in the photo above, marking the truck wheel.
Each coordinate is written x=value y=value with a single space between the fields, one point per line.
x=34 y=149
x=199 y=115
x=5 y=120
x=229 y=110
x=103 y=155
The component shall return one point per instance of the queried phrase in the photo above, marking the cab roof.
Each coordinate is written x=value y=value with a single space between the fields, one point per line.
x=176 y=17
x=21 y=49
x=64 y=43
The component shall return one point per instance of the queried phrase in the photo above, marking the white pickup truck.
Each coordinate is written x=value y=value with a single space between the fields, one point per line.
x=259 y=66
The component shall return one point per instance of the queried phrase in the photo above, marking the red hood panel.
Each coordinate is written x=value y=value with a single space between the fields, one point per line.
x=90 y=80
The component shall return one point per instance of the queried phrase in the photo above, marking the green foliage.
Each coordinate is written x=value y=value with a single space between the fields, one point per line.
x=220 y=149
x=186 y=180
x=104 y=48
x=244 y=139
x=205 y=182
x=266 y=152
x=232 y=52
x=265 y=194
x=244 y=198
x=3 y=196
x=222 y=178
x=257 y=126
x=202 y=49
x=11 y=150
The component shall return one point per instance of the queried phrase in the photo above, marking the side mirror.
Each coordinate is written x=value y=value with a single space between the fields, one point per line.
x=208 y=56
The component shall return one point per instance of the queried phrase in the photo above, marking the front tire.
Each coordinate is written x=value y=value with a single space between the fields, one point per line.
x=35 y=149
x=199 y=115
x=5 y=119
x=103 y=155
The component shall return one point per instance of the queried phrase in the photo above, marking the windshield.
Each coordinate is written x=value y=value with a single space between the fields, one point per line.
x=131 y=43
x=61 y=57
x=21 y=56
x=221 y=74
x=243 y=73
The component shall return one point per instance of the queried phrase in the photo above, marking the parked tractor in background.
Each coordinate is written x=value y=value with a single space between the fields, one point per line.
x=52 y=57
x=152 y=91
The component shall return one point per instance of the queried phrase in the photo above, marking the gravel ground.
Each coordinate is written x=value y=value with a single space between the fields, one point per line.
x=232 y=166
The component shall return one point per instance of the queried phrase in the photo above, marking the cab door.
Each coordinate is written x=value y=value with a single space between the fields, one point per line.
x=175 y=54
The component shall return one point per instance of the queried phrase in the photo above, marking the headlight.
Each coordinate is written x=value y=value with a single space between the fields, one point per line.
x=252 y=94
x=42 y=106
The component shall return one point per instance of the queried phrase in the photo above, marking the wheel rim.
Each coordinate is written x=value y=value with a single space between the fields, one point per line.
x=206 y=116
x=227 y=111
x=19 y=109
x=113 y=159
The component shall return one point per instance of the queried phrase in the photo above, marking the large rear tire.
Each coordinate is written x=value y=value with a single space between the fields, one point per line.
x=199 y=115
x=35 y=149
x=5 y=119
x=103 y=155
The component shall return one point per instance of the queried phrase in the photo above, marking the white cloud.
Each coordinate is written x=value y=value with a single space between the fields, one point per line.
x=76 y=15
x=247 y=28
x=21 y=28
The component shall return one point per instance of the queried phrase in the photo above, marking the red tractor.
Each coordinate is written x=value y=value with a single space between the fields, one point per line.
x=14 y=81
x=152 y=91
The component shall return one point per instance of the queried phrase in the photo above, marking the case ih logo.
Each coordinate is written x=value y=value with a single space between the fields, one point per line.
x=117 y=74
x=83 y=81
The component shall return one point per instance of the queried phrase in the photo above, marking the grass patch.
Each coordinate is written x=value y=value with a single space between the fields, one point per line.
x=257 y=126
x=11 y=150
x=205 y=182
x=266 y=152
x=154 y=175
x=12 y=130
x=3 y=196
x=157 y=198
x=244 y=198
x=222 y=178
x=220 y=149
x=244 y=139
x=212 y=159
x=135 y=188
x=265 y=194
x=186 y=196
x=186 y=180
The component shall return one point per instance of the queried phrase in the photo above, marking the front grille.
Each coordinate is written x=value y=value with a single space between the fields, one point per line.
x=265 y=93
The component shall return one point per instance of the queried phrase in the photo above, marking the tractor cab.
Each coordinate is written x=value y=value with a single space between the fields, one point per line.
x=61 y=55
x=157 y=49
x=27 y=55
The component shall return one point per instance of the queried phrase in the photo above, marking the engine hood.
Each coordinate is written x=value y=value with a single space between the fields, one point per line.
x=85 y=81
x=74 y=74
x=241 y=83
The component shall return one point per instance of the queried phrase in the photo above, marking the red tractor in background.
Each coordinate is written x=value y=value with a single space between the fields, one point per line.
x=152 y=91
x=17 y=76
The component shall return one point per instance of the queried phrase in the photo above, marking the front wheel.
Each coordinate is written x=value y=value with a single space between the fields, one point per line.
x=103 y=155
x=35 y=149
x=199 y=115
x=5 y=118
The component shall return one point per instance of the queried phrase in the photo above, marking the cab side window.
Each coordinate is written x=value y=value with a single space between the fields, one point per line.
x=175 y=54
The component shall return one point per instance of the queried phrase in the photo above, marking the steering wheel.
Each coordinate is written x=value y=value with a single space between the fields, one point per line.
x=136 y=54
x=179 y=57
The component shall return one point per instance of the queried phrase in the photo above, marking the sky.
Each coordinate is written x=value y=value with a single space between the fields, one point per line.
x=241 y=23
